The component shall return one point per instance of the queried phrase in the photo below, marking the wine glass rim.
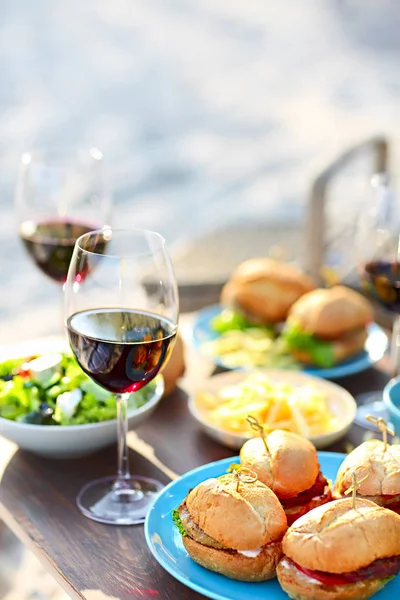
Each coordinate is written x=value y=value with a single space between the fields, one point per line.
x=150 y=232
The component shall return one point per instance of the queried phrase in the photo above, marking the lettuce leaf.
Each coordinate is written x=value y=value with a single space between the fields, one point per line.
x=229 y=320
x=233 y=467
x=178 y=523
x=7 y=367
x=386 y=580
x=320 y=351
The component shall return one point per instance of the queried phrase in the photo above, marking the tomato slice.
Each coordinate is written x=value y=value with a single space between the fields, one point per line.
x=318 y=488
x=325 y=578
x=379 y=569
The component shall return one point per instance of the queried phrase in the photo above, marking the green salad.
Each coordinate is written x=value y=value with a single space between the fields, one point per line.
x=53 y=390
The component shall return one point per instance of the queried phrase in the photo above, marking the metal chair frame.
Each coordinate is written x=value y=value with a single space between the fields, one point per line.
x=316 y=227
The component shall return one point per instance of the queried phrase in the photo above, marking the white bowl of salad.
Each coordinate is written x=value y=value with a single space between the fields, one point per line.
x=49 y=407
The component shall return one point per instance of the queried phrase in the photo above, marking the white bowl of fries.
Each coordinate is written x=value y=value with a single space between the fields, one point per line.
x=320 y=410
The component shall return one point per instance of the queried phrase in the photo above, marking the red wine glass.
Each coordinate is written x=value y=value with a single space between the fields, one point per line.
x=121 y=314
x=59 y=197
x=378 y=257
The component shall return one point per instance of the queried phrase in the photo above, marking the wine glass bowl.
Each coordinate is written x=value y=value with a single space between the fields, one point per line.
x=121 y=314
x=381 y=280
x=60 y=196
x=378 y=259
x=140 y=345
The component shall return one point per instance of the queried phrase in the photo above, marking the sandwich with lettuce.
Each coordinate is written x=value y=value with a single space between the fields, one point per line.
x=327 y=326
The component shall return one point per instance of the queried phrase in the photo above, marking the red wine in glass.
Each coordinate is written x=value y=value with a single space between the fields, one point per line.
x=122 y=350
x=51 y=244
x=61 y=194
x=381 y=279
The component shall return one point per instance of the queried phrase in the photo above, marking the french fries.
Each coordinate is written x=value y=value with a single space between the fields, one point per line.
x=275 y=404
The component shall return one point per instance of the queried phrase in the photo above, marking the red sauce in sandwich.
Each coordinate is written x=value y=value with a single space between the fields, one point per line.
x=317 y=489
x=293 y=514
x=379 y=569
x=297 y=506
x=325 y=578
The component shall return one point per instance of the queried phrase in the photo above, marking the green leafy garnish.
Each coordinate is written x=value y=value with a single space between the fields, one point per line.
x=320 y=351
x=229 y=320
x=386 y=580
x=7 y=367
x=178 y=522
x=233 y=468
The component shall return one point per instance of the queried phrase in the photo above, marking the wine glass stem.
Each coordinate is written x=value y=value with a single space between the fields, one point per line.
x=62 y=302
x=395 y=347
x=122 y=424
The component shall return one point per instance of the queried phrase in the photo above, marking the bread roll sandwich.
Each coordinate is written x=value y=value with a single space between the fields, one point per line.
x=326 y=326
x=290 y=468
x=378 y=471
x=263 y=289
x=235 y=532
x=337 y=552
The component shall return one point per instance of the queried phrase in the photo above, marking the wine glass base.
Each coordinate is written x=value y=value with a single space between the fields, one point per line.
x=370 y=403
x=100 y=501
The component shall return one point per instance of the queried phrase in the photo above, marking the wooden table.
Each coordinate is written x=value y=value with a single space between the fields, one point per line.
x=95 y=561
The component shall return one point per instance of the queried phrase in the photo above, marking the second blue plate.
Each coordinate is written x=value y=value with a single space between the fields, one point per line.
x=375 y=347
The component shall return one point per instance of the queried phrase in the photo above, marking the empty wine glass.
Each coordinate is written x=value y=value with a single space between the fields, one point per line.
x=121 y=312
x=59 y=197
x=378 y=258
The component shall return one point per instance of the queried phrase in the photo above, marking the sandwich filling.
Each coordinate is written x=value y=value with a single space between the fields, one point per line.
x=387 y=501
x=188 y=527
x=383 y=568
x=194 y=531
x=320 y=351
x=296 y=506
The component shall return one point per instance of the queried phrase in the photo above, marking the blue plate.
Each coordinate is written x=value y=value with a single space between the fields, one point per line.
x=165 y=541
x=375 y=347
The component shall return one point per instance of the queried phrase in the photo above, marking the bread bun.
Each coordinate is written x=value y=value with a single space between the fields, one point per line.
x=264 y=289
x=240 y=520
x=335 y=538
x=175 y=367
x=330 y=313
x=235 y=565
x=300 y=586
x=381 y=469
x=344 y=347
x=290 y=467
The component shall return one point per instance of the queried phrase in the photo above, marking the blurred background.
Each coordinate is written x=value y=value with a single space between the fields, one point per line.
x=210 y=114
x=214 y=118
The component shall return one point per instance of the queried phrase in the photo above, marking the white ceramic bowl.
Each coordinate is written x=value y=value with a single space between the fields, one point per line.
x=72 y=441
x=340 y=402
